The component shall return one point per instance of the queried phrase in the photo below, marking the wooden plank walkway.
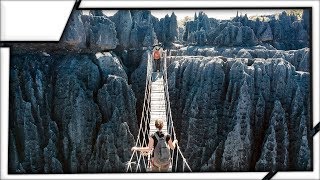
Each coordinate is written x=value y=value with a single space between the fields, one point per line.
x=158 y=107
x=158 y=103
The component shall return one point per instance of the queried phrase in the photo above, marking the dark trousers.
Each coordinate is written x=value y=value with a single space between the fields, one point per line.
x=157 y=61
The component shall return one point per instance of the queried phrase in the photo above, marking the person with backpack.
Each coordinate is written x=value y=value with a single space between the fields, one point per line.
x=160 y=143
x=157 y=53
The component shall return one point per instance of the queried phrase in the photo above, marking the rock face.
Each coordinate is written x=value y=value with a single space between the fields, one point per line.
x=166 y=29
x=285 y=33
x=138 y=78
x=126 y=30
x=75 y=33
x=275 y=153
x=139 y=28
x=263 y=31
x=94 y=32
x=238 y=145
x=134 y=28
x=66 y=119
x=230 y=103
x=101 y=32
x=123 y=21
x=300 y=58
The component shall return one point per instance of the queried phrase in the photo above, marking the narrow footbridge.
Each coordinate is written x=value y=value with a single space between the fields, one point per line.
x=156 y=106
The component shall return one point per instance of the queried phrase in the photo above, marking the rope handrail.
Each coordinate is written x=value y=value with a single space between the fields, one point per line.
x=144 y=110
x=172 y=130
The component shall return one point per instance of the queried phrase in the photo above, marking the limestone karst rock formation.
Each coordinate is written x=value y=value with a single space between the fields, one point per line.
x=300 y=58
x=230 y=90
x=275 y=152
x=123 y=21
x=285 y=33
x=63 y=104
x=101 y=32
x=75 y=33
x=240 y=93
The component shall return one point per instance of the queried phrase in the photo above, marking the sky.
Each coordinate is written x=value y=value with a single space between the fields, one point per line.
x=218 y=14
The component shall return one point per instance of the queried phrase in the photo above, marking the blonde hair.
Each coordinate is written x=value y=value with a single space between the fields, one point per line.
x=159 y=124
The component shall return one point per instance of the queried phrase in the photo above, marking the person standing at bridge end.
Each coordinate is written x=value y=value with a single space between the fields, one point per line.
x=157 y=55
x=160 y=143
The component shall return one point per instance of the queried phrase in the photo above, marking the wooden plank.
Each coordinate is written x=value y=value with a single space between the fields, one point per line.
x=157 y=98
x=157 y=114
x=158 y=109
x=157 y=92
x=157 y=95
x=158 y=103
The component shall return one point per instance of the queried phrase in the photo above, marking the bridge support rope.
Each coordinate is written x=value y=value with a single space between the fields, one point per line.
x=156 y=99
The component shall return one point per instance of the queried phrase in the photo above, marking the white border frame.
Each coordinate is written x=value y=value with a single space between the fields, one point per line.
x=132 y=4
x=34 y=20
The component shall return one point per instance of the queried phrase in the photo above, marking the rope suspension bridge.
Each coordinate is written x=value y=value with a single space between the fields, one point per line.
x=156 y=106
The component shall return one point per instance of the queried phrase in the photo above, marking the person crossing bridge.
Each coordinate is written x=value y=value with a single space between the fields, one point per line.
x=160 y=159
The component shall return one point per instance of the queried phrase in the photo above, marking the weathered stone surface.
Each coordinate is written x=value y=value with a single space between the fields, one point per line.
x=138 y=78
x=117 y=88
x=96 y=13
x=123 y=22
x=166 y=29
x=75 y=33
x=61 y=105
x=275 y=152
x=264 y=32
x=233 y=35
x=142 y=33
x=52 y=164
x=300 y=58
x=112 y=148
x=94 y=31
x=230 y=90
x=109 y=64
x=243 y=53
x=286 y=32
x=303 y=161
x=237 y=150
x=77 y=114
x=101 y=32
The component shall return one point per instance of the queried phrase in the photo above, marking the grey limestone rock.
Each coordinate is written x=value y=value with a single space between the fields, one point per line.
x=75 y=33
x=300 y=58
x=112 y=149
x=285 y=32
x=138 y=78
x=275 y=152
x=242 y=99
x=101 y=32
x=237 y=152
x=123 y=22
x=243 y=53
x=60 y=103
x=117 y=88
x=52 y=164
x=109 y=64
x=264 y=32
x=96 y=13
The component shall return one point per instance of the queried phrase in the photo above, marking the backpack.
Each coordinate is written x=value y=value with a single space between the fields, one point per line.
x=156 y=54
x=161 y=151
